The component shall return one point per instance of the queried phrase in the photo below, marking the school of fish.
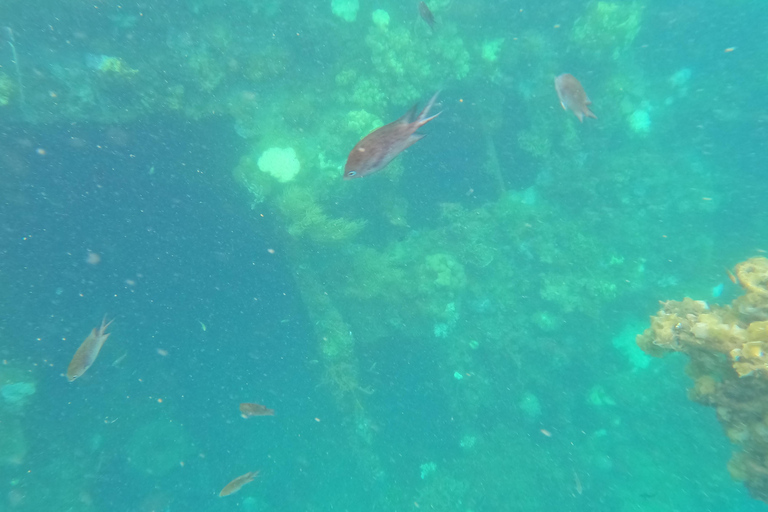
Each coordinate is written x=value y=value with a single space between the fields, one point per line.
x=371 y=154
x=89 y=350
x=377 y=149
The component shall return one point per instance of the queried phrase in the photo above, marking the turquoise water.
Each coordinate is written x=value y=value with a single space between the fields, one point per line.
x=454 y=333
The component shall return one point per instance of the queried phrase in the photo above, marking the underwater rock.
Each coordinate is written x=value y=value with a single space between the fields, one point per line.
x=280 y=163
x=361 y=121
x=16 y=387
x=468 y=442
x=546 y=321
x=13 y=443
x=491 y=48
x=345 y=9
x=380 y=18
x=444 y=271
x=640 y=121
x=109 y=65
x=427 y=469
x=17 y=393
x=531 y=406
x=624 y=342
x=599 y=397
x=307 y=218
x=608 y=27
x=680 y=81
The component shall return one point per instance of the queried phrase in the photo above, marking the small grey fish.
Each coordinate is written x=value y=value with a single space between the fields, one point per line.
x=88 y=351
x=235 y=485
x=382 y=145
x=250 y=409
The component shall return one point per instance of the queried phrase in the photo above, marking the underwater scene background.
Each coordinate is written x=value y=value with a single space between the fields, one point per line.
x=456 y=332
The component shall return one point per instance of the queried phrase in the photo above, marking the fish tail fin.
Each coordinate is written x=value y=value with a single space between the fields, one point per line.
x=423 y=119
x=414 y=138
x=589 y=113
x=105 y=324
x=422 y=122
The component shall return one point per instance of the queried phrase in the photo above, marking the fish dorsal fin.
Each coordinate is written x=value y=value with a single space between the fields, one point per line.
x=409 y=116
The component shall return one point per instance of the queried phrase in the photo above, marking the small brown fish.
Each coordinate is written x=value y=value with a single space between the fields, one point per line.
x=382 y=145
x=235 y=485
x=247 y=410
x=572 y=96
x=88 y=351
x=426 y=15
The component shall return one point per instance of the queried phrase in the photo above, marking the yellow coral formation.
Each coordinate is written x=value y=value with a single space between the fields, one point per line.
x=608 y=26
x=729 y=363
x=306 y=217
x=444 y=271
x=115 y=66
x=753 y=276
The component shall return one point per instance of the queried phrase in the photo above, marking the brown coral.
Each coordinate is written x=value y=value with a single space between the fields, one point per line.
x=728 y=350
x=753 y=276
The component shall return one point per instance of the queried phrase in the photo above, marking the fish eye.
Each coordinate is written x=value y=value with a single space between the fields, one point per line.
x=352 y=173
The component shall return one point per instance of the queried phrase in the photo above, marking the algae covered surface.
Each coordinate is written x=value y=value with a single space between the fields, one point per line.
x=456 y=332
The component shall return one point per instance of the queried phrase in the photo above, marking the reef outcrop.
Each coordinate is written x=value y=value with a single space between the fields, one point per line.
x=728 y=350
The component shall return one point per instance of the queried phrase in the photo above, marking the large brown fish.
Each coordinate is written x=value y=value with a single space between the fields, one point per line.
x=572 y=96
x=426 y=15
x=382 y=145
x=248 y=409
x=88 y=351
x=235 y=485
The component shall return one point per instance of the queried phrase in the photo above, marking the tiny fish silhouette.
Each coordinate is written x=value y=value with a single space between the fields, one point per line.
x=572 y=96
x=382 y=145
x=88 y=351
x=235 y=485
x=249 y=409
x=426 y=15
